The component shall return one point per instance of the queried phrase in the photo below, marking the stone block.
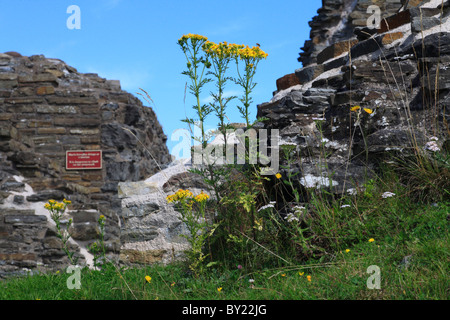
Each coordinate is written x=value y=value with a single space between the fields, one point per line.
x=40 y=77
x=55 y=72
x=84 y=132
x=335 y=50
x=84 y=231
x=388 y=38
x=17 y=256
x=144 y=257
x=366 y=47
x=46 y=195
x=71 y=100
x=25 y=219
x=77 y=122
x=309 y=73
x=395 y=21
x=56 y=109
x=45 y=90
x=51 y=130
x=287 y=81
x=8 y=84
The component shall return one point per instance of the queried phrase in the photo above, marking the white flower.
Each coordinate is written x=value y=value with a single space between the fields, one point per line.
x=432 y=146
x=387 y=195
x=251 y=280
x=270 y=205
x=434 y=139
x=345 y=206
x=291 y=217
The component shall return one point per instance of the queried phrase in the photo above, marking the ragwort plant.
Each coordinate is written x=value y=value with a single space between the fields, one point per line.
x=201 y=55
x=98 y=248
x=57 y=210
x=193 y=214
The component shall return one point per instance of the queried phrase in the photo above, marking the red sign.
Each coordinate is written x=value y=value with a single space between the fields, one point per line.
x=83 y=160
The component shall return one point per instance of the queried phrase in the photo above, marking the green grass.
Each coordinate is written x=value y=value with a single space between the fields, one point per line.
x=399 y=227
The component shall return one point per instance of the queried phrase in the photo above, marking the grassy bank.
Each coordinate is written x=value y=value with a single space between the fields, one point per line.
x=408 y=241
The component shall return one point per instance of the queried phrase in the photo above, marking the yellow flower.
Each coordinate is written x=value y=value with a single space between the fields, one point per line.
x=102 y=217
x=193 y=37
x=301 y=273
x=201 y=197
x=309 y=278
x=371 y=240
x=369 y=111
x=355 y=108
x=278 y=175
x=219 y=289
x=67 y=201
x=283 y=274
x=148 y=278
x=172 y=284
x=180 y=195
x=347 y=250
x=58 y=206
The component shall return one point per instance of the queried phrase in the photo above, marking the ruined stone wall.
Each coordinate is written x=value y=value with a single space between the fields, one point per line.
x=337 y=20
x=46 y=109
x=400 y=72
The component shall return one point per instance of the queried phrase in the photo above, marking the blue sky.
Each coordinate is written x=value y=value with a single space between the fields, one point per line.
x=135 y=41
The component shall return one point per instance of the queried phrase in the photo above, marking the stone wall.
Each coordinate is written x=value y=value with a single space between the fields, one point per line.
x=46 y=109
x=399 y=71
x=337 y=20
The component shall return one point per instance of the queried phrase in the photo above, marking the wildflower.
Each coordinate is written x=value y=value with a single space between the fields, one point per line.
x=291 y=217
x=172 y=284
x=283 y=274
x=347 y=250
x=258 y=224
x=369 y=111
x=387 y=195
x=239 y=267
x=148 y=279
x=371 y=240
x=355 y=108
x=251 y=280
x=298 y=208
x=201 y=197
x=270 y=205
x=219 y=289
x=102 y=217
x=345 y=206
x=432 y=146
x=182 y=195
x=193 y=37
x=67 y=201
x=301 y=274
x=309 y=278
x=278 y=175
